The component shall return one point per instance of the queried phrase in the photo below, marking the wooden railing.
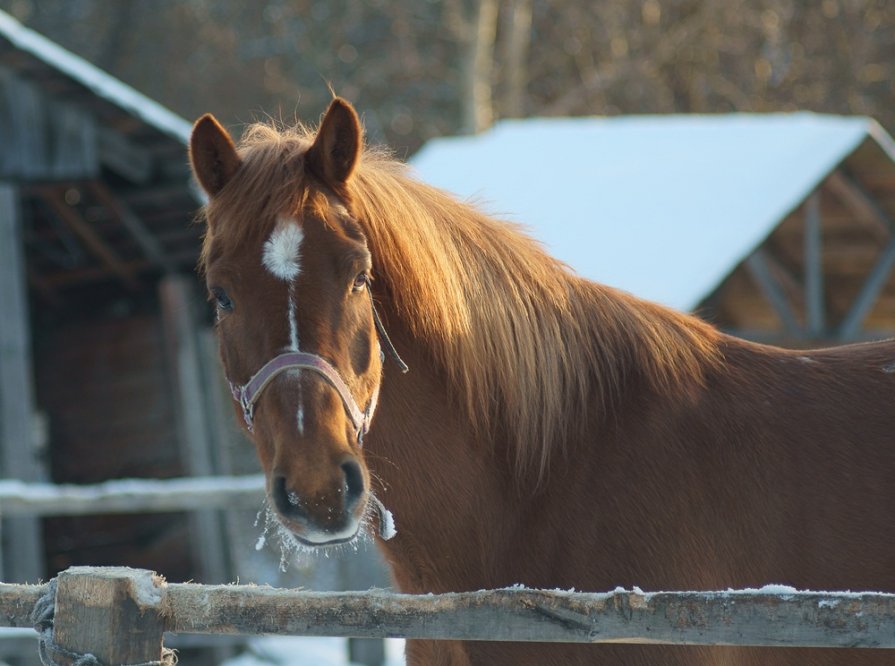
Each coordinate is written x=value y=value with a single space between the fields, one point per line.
x=120 y=615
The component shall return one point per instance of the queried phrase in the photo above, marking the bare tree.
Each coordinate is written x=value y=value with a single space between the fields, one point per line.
x=516 y=28
x=422 y=69
x=474 y=27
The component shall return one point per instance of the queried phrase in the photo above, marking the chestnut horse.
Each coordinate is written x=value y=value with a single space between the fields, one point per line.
x=551 y=431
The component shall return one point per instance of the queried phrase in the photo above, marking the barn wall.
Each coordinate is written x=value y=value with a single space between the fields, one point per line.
x=105 y=389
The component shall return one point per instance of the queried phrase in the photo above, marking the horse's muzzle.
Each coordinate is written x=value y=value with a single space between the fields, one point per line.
x=322 y=519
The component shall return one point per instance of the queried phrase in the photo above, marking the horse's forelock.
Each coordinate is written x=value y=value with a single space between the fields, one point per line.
x=268 y=184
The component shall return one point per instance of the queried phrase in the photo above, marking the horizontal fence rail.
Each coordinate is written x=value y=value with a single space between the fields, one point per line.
x=131 y=495
x=771 y=616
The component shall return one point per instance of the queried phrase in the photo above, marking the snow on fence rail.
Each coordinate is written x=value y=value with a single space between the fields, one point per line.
x=131 y=495
x=104 y=611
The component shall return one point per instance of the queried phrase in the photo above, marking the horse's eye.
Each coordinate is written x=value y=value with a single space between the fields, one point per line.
x=360 y=282
x=223 y=301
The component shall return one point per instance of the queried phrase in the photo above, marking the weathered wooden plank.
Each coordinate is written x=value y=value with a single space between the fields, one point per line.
x=21 y=538
x=17 y=602
x=111 y=613
x=131 y=496
x=768 y=617
x=23 y=134
x=43 y=137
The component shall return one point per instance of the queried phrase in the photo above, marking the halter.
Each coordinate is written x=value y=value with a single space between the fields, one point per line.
x=247 y=394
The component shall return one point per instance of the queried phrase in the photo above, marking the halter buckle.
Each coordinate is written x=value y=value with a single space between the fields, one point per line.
x=241 y=396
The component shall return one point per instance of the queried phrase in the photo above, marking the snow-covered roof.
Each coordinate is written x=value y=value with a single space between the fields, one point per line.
x=93 y=78
x=662 y=206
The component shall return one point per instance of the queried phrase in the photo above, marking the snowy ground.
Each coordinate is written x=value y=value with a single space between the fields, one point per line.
x=286 y=651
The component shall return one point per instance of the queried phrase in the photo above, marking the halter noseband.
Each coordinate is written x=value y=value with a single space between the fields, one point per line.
x=247 y=394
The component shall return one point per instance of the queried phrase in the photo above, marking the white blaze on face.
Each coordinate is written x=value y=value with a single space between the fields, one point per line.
x=282 y=251
x=282 y=257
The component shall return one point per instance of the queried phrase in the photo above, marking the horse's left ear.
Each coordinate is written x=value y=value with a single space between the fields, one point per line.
x=337 y=147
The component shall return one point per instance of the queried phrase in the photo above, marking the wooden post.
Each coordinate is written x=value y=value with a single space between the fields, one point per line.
x=22 y=541
x=815 y=319
x=113 y=613
x=364 y=570
x=759 y=265
x=182 y=338
x=850 y=327
x=226 y=440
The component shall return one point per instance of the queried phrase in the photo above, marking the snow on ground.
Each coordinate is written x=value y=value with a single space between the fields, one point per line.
x=289 y=651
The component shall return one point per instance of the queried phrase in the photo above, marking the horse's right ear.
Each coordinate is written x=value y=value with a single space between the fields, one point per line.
x=213 y=155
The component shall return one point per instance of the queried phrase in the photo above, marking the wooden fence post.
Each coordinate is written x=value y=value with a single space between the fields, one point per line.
x=113 y=613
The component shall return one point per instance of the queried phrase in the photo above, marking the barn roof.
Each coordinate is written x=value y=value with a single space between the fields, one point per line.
x=92 y=78
x=101 y=170
x=662 y=206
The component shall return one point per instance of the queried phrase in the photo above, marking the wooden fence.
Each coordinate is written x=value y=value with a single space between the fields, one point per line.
x=22 y=499
x=131 y=496
x=94 y=607
x=120 y=615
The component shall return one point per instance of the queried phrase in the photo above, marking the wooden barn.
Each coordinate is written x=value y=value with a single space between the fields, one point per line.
x=104 y=343
x=777 y=227
x=108 y=366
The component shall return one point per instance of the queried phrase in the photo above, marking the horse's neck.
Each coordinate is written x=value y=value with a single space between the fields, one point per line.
x=434 y=476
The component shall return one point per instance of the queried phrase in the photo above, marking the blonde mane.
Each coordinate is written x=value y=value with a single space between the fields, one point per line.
x=528 y=347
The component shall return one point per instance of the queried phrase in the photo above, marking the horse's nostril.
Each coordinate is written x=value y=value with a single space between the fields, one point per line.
x=286 y=501
x=354 y=483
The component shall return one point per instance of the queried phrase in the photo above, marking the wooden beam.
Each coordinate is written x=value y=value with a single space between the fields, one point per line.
x=44 y=137
x=148 y=243
x=123 y=604
x=91 y=239
x=814 y=286
x=759 y=265
x=131 y=496
x=770 y=617
x=856 y=198
x=21 y=537
x=850 y=327
x=16 y=603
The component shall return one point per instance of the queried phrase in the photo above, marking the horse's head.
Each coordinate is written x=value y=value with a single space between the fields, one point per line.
x=288 y=269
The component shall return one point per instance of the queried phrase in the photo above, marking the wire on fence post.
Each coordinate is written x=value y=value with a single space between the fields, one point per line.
x=111 y=616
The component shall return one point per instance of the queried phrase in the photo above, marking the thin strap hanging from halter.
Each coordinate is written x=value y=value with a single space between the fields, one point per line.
x=384 y=340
